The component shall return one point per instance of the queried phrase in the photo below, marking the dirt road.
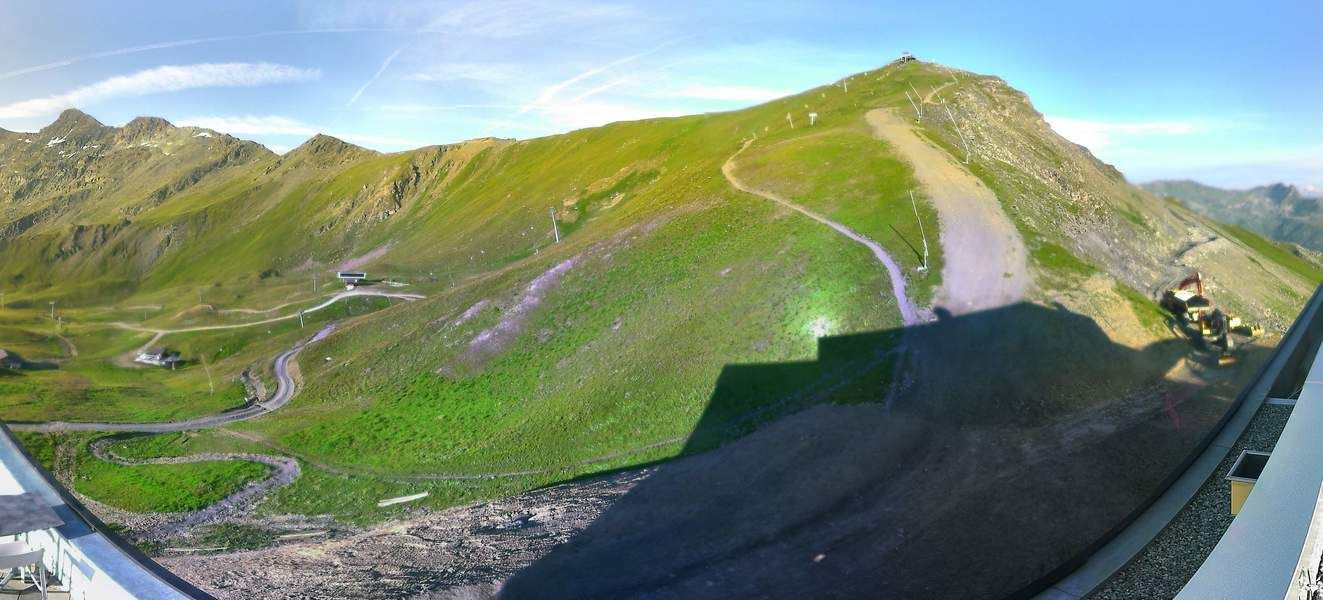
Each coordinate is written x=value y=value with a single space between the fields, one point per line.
x=909 y=314
x=284 y=391
x=284 y=471
x=984 y=258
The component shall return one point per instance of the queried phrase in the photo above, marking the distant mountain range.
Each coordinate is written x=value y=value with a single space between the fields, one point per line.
x=1279 y=211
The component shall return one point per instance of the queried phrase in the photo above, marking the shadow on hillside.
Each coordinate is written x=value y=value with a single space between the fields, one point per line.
x=1021 y=436
x=15 y=364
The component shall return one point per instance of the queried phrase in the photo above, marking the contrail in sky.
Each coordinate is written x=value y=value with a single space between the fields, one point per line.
x=382 y=69
x=176 y=44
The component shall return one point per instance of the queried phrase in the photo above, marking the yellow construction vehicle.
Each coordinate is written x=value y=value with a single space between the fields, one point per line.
x=1187 y=301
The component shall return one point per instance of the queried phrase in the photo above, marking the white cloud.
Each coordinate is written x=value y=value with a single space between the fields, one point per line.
x=482 y=72
x=423 y=108
x=382 y=69
x=1097 y=135
x=161 y=79
x=578 y=115
x=591 y=114
x=64 y=62
x=251 y=125
x=732 y=93
x=277 y=126
x=550 y=92
x=495 y=19
x=599 y=89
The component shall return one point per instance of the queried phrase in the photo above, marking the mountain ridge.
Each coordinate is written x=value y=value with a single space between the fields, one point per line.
x=607 y=298
x=1279 y=211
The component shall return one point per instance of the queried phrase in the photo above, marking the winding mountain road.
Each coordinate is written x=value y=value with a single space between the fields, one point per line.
x=908 y=313
x=284 y=383
x=284 y=392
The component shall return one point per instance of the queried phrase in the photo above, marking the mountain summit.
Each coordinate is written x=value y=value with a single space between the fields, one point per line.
x=327 y=151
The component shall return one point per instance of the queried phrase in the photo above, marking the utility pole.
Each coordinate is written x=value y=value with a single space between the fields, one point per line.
x=211 y=386
x=917 y=110
x=915 y=205
x=314 y=283
x=958 y=132
x=554 y=228
x=300 y=318
x=52 y=303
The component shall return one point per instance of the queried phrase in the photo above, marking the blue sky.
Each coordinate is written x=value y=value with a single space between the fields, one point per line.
x=1227 y=93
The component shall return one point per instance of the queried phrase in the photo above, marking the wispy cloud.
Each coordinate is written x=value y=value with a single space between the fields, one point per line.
x=382 y=69
x=251 y=125
x=599 y=89
x=423 y=108
x=1097 y=135
x=177 y=44
x=493 y=19
x=550 y=92
x=567 y=116
x=729 y=93
x=481 y=72
x=271 y=125
x=161 y=79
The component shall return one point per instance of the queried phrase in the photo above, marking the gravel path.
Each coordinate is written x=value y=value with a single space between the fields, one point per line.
x=984 y=259
x=294 y=315
x=909 y=314
x=284 y=471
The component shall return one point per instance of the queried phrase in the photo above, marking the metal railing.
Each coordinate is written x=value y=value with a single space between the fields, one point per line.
x=1273 y=547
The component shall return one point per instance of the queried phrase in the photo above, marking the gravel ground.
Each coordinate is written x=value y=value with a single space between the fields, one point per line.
x=1169 y=561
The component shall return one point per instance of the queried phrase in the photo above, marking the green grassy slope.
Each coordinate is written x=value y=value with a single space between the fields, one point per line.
x=141 y=488
x=603 y=350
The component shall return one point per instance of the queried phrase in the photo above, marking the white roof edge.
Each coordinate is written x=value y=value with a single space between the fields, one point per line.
x=108 y=568
x=1279 y=530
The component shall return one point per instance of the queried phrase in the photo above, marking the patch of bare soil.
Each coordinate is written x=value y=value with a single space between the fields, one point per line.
x=475 y=546
x=359 y=261
x=491 y=341
x=984 y=258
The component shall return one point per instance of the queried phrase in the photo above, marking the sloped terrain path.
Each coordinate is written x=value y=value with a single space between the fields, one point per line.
x=985 y=261
x=284 y=471
x=908 y=313
x=284 y=392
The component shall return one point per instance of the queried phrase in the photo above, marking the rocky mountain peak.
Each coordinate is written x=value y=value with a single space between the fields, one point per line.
x=1280 y=192
x=143 y=126
x=323 y=149
x=73 y=118
x=73 y=124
